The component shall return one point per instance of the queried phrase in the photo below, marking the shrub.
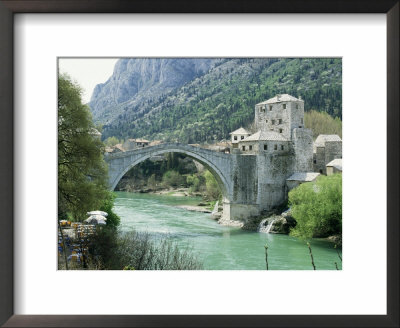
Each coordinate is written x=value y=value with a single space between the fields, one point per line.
x=141 y=252
x=317 y=207
x=172 y=179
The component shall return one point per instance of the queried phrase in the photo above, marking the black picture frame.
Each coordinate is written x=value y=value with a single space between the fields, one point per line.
x=10 y=7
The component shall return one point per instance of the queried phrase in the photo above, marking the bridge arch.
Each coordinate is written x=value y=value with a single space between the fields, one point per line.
x=121 y=163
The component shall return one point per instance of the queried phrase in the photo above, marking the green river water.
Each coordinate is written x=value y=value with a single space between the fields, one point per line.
x=219 y=247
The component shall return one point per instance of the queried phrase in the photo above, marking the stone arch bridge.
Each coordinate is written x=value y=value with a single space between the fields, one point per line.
x=248 y=185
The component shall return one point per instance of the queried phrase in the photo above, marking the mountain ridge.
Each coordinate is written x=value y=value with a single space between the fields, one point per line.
x=221 y=98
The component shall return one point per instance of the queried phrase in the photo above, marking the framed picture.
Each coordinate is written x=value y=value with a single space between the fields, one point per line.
x=34 y=46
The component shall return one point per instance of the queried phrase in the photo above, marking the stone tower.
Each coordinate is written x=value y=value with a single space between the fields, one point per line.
x=282 y=114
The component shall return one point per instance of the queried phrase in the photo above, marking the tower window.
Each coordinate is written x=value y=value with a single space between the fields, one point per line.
x=273 y=121
x=280 y=121
x=250 y=147
x=284 y=106
x=266 y=121
x=282 y=147
x=241 y=137
x=270 y=107
x=275 y=147
x=297 y=106
x=234 y=137
x=280 y=130
x=315 y=161
x=265 y=147
x=243 y=148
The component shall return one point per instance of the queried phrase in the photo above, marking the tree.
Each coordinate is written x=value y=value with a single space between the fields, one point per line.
x=212 y=187
x=111 y=141
x=317 y=207
x=82 y=172
x=322 y=123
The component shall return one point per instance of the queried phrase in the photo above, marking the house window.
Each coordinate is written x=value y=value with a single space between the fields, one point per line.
x=284 y=106
x=273 y=121
x=235 y=138
x=282 y=147
x=297 y=106
x=250 y=147
x=300 y=126
x=280 y=130
x=280 y=121
x=275 y=147
x=266 y=121
x=241 y=137
x=270 y=107
x=265 y=147
x=243 y=148
x=315 y=161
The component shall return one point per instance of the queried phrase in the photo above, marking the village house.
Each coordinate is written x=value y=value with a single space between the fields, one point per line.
x=334 y=166
x=300 y=177
x=327 y=147
x=131 y=144
x=237 y=136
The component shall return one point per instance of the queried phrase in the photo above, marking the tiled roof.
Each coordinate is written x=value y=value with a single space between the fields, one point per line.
x=303 y=176
x=119 y=147
x=337 y=163
x=279 y=98
x=322 y=138
x=266 y=135
x=240 y=131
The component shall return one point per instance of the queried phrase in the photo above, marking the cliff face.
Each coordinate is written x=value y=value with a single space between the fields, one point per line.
x=135 y=81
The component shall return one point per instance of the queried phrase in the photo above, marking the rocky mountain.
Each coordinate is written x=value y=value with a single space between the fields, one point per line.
x=197 y=100
x=139 y=80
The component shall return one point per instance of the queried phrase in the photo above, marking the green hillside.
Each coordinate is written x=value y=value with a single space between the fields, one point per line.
x=220 y=101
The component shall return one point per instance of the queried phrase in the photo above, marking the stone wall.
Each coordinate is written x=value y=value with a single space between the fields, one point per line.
x=323 y=155
x=274 y=117
x=303 y=149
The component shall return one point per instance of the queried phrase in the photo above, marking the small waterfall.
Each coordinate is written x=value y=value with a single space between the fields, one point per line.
x=265 y=225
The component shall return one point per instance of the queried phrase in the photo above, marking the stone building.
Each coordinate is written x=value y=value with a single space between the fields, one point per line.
x=280 y=125
x=115 y=149
x=298 y=178
x=280 y=148
x=334 y=166
x=282 y=114
x=131 y=144
x=327 y=147
x=237 y=136
x=266 y=142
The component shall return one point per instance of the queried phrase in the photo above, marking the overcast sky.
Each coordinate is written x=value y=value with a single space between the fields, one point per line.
x=87 y=72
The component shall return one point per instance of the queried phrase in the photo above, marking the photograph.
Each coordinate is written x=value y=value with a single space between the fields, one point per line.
x=189 y=163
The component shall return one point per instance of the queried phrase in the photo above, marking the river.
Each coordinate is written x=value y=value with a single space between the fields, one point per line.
x=218 y=247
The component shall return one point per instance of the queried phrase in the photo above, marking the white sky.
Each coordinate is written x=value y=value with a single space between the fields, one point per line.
x=87 y=72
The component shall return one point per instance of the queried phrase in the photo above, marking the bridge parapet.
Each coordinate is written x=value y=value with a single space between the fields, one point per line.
x=220 y=164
